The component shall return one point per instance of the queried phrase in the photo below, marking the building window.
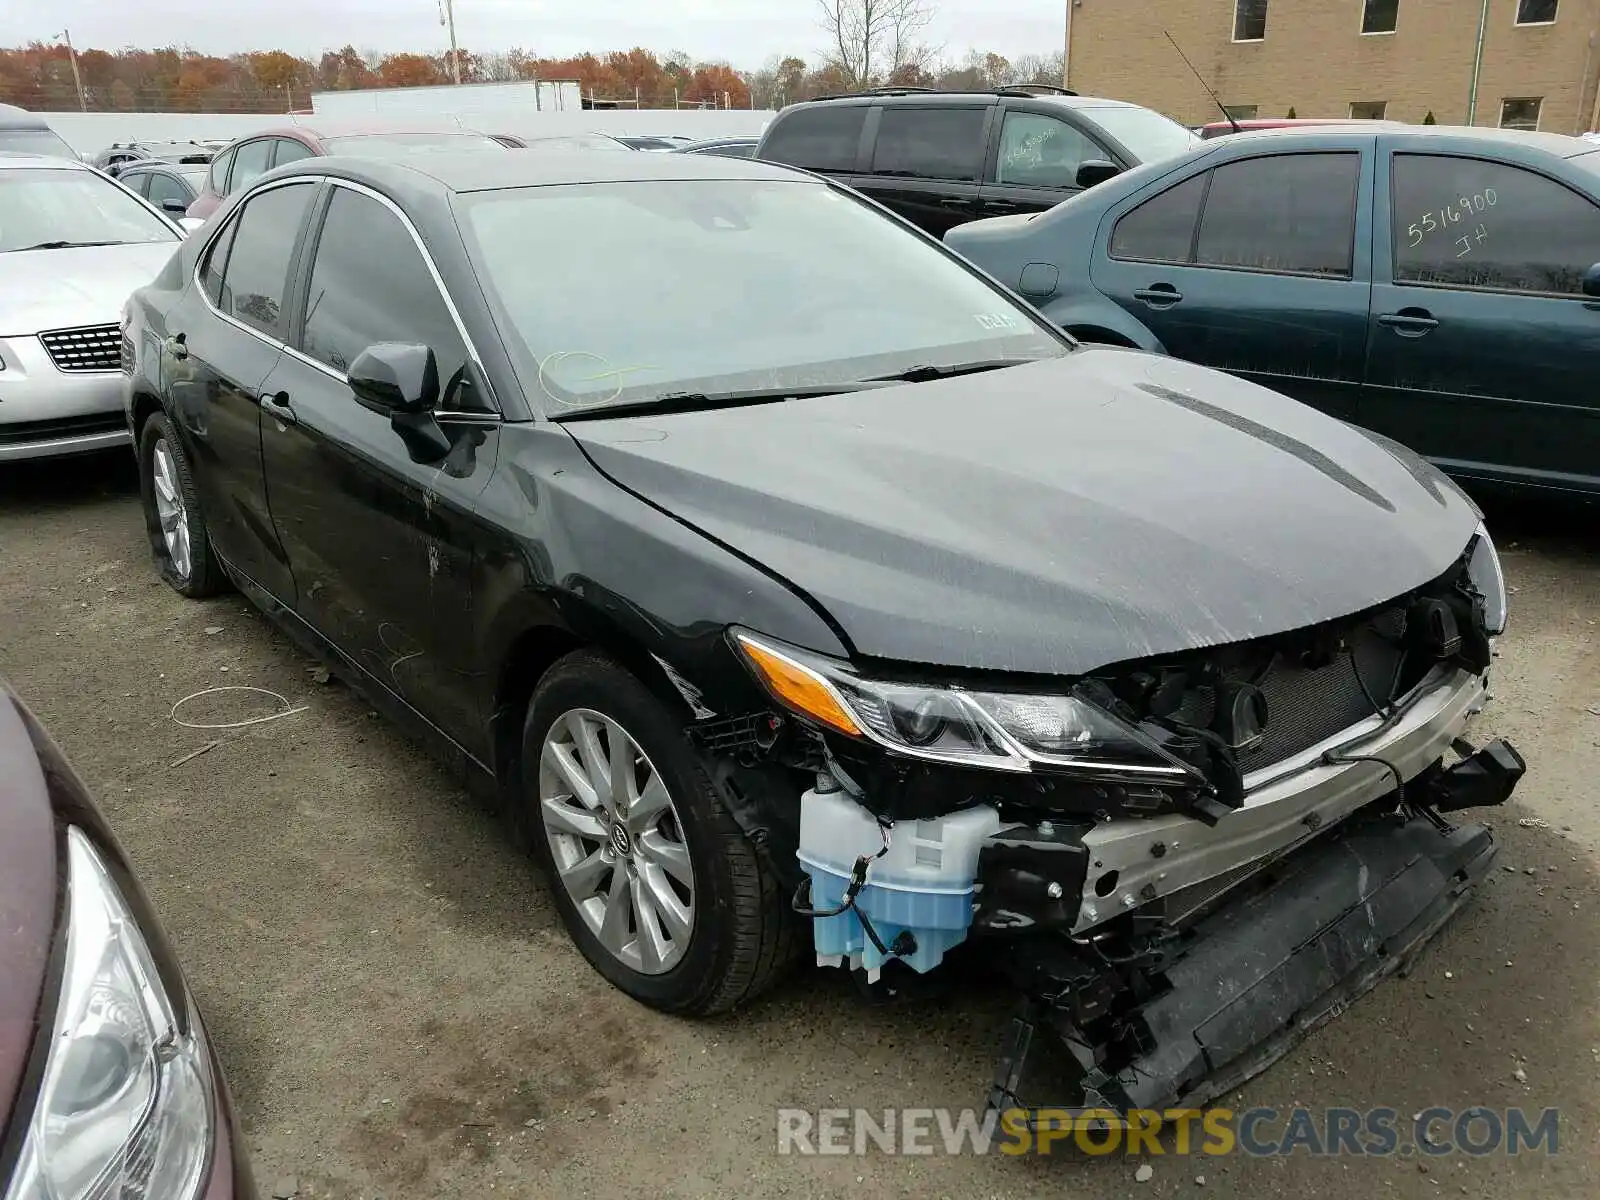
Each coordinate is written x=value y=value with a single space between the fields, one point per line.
x=1520 y=114
x=1242 y=112
x=1535 y=12
x=1380 y=16
x=1368 y=110
x=1249 y=20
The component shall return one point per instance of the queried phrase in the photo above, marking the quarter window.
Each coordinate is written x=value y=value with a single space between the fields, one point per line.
x=1040 y=151
x=1249 y=20
x=369 y=284
x=1380 y=16
x=289 y=150
x=250 y=163
x=1536 y=12
x=818 y=139
x=930 y=143
x=1161 y=229
x=1287 y=214
x=216 y=262
x=1520 y=114
x=218 y=179
x=1465 y=222
x=256 y=276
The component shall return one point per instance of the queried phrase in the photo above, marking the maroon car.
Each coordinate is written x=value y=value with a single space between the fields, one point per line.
x=249 y=158
x=108 y=1084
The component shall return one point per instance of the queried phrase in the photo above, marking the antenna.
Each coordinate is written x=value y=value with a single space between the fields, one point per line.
x=1220 y=105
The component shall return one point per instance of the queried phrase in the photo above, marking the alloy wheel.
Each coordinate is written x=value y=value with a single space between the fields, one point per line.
x=170 y=509
x=616 y=840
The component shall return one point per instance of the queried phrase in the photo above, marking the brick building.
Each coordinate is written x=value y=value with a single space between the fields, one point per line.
x=1400 y=59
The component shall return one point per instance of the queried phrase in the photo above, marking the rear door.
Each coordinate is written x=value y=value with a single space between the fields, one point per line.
x=1035 y=165
x=927 y=162
x=1260 y=266
x=226 y=336
x=1483 y=351
x=379 y=542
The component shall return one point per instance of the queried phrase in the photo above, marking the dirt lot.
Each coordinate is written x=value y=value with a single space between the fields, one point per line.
x=401 y=1015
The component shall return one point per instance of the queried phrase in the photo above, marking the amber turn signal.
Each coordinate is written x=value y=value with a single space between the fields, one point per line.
x=798 y=687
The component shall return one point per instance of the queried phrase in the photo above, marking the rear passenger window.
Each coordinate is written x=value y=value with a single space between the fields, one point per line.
x=930 y=143
x=1162 y=228
x=819 y=139
x=1464 y=222
x=256 y=276
x=250 y=163
x=1292 y=214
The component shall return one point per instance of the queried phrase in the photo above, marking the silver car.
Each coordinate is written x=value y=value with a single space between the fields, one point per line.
x=73 y=246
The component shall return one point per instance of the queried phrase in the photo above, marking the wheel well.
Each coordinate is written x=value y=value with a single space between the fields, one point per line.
x=1100 y=336
x=145 y=406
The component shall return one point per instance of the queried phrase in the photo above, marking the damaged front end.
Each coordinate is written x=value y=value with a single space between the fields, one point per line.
x=1184 y=863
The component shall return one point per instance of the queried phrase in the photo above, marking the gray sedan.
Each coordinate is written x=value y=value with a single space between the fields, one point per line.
x=73 y=246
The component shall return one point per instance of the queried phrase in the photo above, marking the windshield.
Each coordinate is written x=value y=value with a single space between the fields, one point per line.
x=1147 y=134
x=43 y=206
x=398 y=145
x=629 y=292
x=35 y=141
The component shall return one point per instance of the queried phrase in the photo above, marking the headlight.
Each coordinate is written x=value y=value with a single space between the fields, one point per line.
x=1483 y=568
x=124 y=1108
x=996 y=730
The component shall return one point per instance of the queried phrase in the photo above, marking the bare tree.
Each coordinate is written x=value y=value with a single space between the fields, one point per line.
x=868 y=39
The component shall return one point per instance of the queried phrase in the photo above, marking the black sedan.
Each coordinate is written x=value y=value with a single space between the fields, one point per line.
x=753 y=547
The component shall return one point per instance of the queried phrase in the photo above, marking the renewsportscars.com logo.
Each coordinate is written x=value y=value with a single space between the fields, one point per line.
x=1258 y=1132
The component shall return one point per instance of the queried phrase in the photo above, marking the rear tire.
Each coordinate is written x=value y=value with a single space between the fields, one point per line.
x=656 y=883
x=176 y=524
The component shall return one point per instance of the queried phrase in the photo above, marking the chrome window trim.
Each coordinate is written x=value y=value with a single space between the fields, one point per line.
x=473 y=357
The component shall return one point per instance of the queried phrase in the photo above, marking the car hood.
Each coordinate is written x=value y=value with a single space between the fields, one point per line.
x=58 y=289
x=28 y=889
x=1055 y=517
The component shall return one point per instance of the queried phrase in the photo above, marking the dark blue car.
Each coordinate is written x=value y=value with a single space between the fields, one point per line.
x=1439 y=286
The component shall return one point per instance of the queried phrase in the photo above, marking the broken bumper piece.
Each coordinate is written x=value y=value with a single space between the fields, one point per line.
x=1249 y=980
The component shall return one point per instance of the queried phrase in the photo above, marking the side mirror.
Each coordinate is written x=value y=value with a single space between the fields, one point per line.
x=173 y=205
x=1591 y=281
x=395 y=379
x=1096 y=170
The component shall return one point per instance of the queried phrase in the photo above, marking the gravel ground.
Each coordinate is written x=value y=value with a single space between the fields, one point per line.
x=400 y=1012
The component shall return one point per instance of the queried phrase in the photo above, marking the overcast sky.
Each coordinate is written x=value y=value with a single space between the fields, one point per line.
x=745 y=32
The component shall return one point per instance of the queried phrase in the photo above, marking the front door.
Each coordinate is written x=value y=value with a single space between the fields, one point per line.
x=1037 y=164
x=224 y=339
x=377 y=540
x=1483 y=350
x=926 y=164
x=1259 y=267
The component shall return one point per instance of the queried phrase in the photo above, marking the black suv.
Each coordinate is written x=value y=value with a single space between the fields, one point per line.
x=942 y=158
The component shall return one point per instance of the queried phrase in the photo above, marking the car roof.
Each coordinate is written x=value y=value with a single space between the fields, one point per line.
x=9 y=161
x=12 y=117
x=1559 y=144
x=331 y=129
x=987 y=96
x=479 y=172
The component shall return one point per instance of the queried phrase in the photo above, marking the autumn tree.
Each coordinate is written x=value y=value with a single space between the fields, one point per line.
x=409 y=70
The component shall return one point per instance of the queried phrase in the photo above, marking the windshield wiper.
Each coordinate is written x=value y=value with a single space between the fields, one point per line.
x=925 y=372
x=675 y=402
x=62 y=246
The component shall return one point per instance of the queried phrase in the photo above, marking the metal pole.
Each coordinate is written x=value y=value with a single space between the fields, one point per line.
x=77 y=80
x=455 y=58
x=1066 y=50
x=1477 y=64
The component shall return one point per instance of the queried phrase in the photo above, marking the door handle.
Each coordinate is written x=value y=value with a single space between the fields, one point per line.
x=177 y=345
x=1409 y=322
x=1001 y=206
x=960 y=203
x=1159 y=295
x=276 y=405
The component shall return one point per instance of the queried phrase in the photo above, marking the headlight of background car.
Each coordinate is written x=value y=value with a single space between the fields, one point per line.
x=125 y=1105
x=995 y=730
x=1483 y=568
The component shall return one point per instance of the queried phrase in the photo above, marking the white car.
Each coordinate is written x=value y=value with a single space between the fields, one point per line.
x=73 y=246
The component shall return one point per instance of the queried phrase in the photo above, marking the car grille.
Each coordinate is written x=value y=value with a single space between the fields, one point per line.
x=87 y=348
x=21 y=433
x=1306 y=705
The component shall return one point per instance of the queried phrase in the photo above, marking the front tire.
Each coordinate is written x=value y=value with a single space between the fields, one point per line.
x=179 y=542
x=655 y=881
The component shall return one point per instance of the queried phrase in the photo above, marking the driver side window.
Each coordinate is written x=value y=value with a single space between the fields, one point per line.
x=1041 y=151
x=370 y=284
